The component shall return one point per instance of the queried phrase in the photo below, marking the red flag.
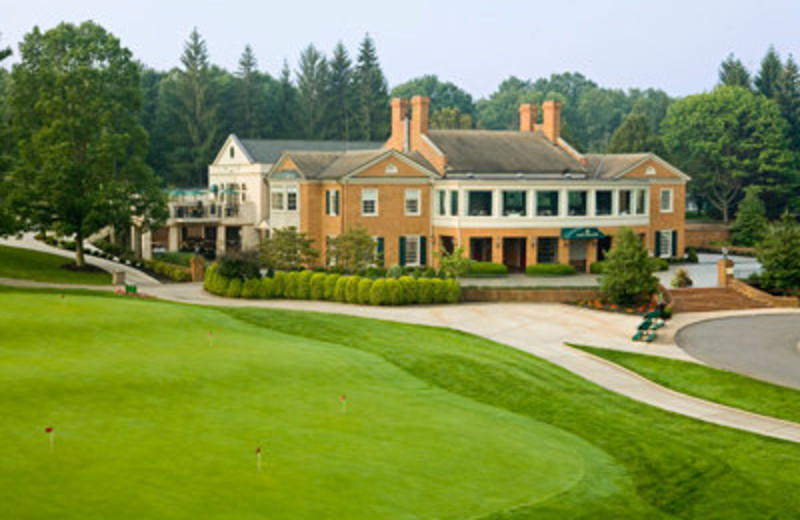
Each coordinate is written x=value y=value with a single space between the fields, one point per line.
x=48 y=430
x=258 y=450
x=209 y=333
x=343 y=398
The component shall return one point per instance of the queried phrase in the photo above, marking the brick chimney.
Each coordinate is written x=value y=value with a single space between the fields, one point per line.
x=527 y=117
x=399 y=138
x=419 y=119
x=551 y=120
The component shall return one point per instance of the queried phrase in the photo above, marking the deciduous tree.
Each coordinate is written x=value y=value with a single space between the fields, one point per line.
x=352 y=250
x=635 y=135
x=287 y=250
x=76 y=102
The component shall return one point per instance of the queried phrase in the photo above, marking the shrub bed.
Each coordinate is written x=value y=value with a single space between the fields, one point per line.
x=549 y=270
x=309 y=285
x=174 y=272
x=486 y=270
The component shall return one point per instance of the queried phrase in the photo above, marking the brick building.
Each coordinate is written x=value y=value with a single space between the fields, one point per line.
x=514 y=197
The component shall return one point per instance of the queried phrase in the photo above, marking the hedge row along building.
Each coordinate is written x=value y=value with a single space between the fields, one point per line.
x=514 y=197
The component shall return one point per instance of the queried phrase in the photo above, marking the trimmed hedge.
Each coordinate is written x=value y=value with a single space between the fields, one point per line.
x=597 y=267
x=174 y=272
x=486 y=269
x=335 y=287
x=549 y=270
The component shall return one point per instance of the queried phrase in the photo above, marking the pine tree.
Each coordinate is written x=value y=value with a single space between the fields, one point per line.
x=751 y=221
x=787 y=95
x=732 y=73
x=778 y=256
x=284 y=106
x=196 y=107
x=312 y=80
x=372 y=94
x=340 y=93
x=767 y=78
x=249 y=96
x=628 y=274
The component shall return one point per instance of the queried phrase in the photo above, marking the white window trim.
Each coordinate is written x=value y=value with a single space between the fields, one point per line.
x=416 y=263
x=364 y=191
x=296 y=192
x=330 y=196
x=671 y=200
x=282 y=193
x=668 y=234
x=419 y=202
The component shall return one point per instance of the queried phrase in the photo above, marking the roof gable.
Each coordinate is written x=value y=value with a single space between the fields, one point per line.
x=632 y=166
x=232 y=152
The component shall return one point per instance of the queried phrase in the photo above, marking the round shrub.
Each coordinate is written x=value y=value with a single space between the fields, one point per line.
x=279 y=289
x=394 y=292
x=410 y=289
x=250 y=288
x=208 y=277
x=290 y=291
x=351 y=292
x=304 y=285
x=240 y=264
x=425 y=291
x=234 y=288
x=330 y=286
x=597 y=267
x=364 y=288
x=318 y=286
x=266 y=289
x=377 y=293
x=453 y=291
x=661 y=263
x=340 y=291
x=439 y=290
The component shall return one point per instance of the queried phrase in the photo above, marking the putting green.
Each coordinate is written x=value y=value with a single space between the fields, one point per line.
x=153 y=420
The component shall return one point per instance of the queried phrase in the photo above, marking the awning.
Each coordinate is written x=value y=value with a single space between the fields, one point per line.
x=581 y=233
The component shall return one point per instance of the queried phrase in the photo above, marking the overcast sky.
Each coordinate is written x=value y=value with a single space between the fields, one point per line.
x=675 y=45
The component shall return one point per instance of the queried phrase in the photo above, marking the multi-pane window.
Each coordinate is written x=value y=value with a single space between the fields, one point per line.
x=641 y=202
x=514 y=203
x=547 y=250
x=576 y=203
x=666 y=200
x=277 y=201
x=369 y=202
x=332 y=202
x=479 y=203
x=291 y=199
x=547 y=203
x=412 y=251
x=412 y=202
x=602 y=202
x=454 y=203
x=625 y=202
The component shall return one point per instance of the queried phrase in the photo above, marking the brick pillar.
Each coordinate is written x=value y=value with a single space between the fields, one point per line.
x=563 y=251
x=591 y=254
x=497 y=250
x=724 y=272
x=197 y=268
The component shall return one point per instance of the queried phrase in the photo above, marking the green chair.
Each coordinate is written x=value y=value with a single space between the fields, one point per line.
x=651 y=337
x=638 y=336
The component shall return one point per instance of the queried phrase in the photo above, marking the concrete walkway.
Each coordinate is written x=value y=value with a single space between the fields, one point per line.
x=542 y=330
x=132 y=275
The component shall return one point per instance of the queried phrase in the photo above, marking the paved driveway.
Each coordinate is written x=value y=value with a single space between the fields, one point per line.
x=763 y=346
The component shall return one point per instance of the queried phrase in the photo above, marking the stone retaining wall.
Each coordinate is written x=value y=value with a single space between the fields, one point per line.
x=529 y=295
x=761 y=296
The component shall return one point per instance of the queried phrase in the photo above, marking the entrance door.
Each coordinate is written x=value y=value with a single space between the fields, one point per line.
x=577 y=254
x=603 y=247
x=514 y=253
x=480 y=249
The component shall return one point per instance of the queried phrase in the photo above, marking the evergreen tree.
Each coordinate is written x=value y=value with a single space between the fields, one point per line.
x=340 y=93
x=372 y=94
x=787 y=95
x=768 y=75
x=312 y=82
x=249 y=97
x=751 y=220
x=628 y=277
x=635 y=135
x=284 y=106
x=732 y=73
x=778 y=256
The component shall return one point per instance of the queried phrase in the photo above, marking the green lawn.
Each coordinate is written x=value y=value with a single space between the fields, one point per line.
x=709 y=383
x=152 y=421
x=26 y=264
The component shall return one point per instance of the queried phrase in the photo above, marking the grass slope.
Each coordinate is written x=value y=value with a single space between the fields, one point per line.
x=26 y=264
x=709 y=383
x=154 y=422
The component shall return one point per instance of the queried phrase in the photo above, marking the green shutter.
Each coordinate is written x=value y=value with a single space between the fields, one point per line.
x=402 y=260
x=379 y=252
x=674 y=244
x=328 y=202
x=423 y=253
x=336 y=202
x=454 y=203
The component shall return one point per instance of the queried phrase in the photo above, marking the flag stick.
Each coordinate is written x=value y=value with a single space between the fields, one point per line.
x=258 y=457
x=343 y=399
x=51 y=434
x=210 y=338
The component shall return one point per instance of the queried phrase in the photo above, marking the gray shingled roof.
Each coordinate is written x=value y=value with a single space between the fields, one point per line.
x=608 y=166
x=335 y=165
x=488 y=151
x=268 y=151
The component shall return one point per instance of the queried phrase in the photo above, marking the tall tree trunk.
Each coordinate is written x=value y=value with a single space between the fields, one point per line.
x=79 y=260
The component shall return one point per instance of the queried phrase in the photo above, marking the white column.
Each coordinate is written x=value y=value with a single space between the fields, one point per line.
x=563 y=211
x=174 y=237
x=220 y=240
x=147 y=245
x=615 y=203
x=530 y=210
x=590 y=200
x=136 y=241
